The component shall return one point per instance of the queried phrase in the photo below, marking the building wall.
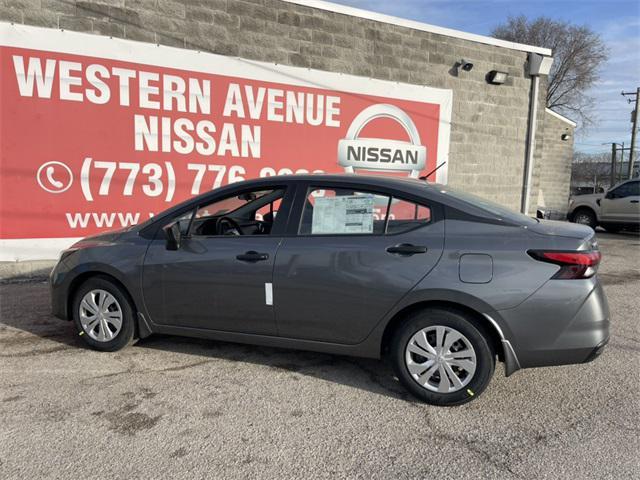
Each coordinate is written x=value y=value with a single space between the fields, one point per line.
x=489 y=122
x=555 y=165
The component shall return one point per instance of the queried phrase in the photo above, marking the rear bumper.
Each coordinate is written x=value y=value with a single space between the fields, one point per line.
x=565 y=322
x=595 y=353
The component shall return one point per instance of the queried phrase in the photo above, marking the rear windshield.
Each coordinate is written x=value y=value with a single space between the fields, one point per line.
x=492 y=208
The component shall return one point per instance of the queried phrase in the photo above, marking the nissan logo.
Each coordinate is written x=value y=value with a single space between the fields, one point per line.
x=379 y=153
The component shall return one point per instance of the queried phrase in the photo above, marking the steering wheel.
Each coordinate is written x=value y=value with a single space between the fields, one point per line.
x=228 y=226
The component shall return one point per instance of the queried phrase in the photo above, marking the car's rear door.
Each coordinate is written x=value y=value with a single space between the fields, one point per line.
x=350 y=254
x=213 y=281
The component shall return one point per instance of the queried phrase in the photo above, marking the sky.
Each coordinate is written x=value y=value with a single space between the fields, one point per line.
x=617 y=21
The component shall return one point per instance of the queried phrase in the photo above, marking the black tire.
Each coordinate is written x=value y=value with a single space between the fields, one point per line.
x=585 y=216
x=431 y=317
x=126 y=333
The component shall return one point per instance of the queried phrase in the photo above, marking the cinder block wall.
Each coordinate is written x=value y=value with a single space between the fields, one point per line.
x=489 y=123
x=555 y=164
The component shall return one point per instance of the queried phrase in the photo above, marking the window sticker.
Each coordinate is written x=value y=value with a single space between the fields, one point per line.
x=343 y=214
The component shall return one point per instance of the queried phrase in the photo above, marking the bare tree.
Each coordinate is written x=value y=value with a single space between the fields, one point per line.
x=590 y=171
x=578 y=53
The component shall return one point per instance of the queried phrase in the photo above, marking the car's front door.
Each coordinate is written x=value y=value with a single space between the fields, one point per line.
x=622 y=204
x=352 y=256
x=219 y=279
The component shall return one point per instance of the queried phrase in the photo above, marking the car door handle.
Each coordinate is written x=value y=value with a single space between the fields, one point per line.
x=406 y=249
x=252 y=256
x=634 y=201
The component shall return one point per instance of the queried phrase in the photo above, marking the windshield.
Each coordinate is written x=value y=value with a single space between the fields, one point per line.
x=495 y=209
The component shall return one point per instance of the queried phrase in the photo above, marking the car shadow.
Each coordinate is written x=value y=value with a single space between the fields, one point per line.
x=25 y=310
x=375 y=376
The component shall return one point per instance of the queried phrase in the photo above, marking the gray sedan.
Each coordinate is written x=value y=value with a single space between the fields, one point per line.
x=441 y=283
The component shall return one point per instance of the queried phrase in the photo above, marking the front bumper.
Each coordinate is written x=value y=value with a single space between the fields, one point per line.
x=59 y=288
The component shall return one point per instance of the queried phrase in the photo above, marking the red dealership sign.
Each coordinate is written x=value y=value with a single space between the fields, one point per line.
x=100 y=133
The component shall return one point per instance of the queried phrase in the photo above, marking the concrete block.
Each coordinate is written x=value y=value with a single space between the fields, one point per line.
x=92 y=9
x=301 y=34
x=289 y=18
x=141 y=4
x=129 y=16
x=199 y=14
x=40 y=18
x=64 y=7
x=250 y=24
x=110 y=29
x=170 y=40
x=22 y=4
x=258 y=11
x=10 y=14
x=226 y=19
x=77 y=24
x=321 y=37
x=171 y=8
x=133 y=32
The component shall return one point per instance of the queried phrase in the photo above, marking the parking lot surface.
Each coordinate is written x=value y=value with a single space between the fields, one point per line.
x=183 y=408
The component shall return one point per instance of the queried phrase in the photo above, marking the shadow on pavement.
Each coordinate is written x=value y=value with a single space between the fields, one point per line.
x=25 y=308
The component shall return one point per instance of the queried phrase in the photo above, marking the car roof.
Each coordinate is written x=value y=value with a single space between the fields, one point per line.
x=414 y=185
x=411 y=186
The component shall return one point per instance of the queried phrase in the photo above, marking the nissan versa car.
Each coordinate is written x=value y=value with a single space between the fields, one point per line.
x=442 y=283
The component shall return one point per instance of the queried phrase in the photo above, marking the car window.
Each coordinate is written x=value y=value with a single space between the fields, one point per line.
x=626 y=190
x=344 y=211
x=246 y=213
x=268 y=211
x=340 y=211
x=491 y=208
x=405 y=216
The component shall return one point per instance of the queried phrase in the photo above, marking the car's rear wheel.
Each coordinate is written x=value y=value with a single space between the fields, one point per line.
x=584 y=216
x=441 y=357
x=103 y=315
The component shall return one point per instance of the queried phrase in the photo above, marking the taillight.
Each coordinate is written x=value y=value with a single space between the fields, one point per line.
x=573 y=264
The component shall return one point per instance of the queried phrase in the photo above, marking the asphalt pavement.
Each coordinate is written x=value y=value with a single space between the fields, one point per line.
x=172 y=407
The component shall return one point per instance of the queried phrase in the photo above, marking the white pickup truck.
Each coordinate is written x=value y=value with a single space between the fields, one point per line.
x=617 y=209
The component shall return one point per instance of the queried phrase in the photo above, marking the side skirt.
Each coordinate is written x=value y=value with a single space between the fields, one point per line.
x=364 y=349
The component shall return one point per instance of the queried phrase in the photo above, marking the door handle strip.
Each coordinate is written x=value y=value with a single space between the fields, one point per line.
x=252 y=256
x=406 y=249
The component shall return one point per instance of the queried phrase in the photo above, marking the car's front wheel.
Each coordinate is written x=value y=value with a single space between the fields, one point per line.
x=585 y=216
x=103 y=315
x=441 y=357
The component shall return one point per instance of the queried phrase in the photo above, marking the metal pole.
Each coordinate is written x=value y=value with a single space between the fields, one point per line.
x=632 y=154
x=619 y=169
x=531 y=141
x=612 y=180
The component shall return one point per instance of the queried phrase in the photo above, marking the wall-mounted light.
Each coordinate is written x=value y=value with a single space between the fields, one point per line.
x=539 y=64
x=465 y=65
x=565 y=136
x=496 y=77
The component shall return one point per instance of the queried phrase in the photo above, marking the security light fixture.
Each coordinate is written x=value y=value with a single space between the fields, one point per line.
x=539 y=64
x=565 y=136
x=496 y=77
x=465 y=65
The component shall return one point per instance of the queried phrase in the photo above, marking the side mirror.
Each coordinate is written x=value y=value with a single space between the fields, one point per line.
x=173 y=236
x=610 y=194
